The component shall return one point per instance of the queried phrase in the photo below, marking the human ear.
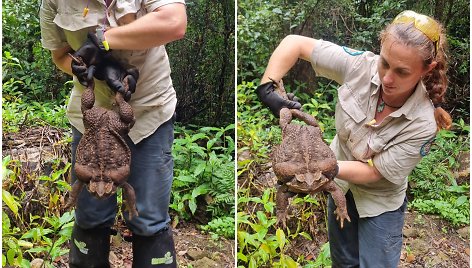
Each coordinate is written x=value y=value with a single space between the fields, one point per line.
x=430 y=66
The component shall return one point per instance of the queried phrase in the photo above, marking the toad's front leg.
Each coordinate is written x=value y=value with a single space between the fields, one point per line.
x=282 y=197
x=287 y=170
x=328 y=167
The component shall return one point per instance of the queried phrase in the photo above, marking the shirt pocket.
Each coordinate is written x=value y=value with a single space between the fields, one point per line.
x=70 y=16
x=351 y=127
x=349 y=114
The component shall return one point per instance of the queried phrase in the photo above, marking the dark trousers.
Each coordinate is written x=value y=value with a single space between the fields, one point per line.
x=365 y=242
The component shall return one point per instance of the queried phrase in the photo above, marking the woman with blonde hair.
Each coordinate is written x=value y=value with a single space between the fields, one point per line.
x=387 y=114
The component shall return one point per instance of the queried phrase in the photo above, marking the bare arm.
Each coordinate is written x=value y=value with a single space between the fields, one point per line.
x=358 y=172
x=292 y=48
x=163 y=25
x=62 y=60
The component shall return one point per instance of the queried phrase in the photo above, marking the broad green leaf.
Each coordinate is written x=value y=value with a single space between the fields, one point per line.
x=280 y=238
x=10 y=201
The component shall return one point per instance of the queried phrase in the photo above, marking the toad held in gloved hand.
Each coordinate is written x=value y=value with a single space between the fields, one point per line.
x=274 y=101
x=91 y=55
x=114 y=74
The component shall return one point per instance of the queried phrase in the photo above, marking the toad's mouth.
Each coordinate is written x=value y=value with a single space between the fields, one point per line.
x=101 y=189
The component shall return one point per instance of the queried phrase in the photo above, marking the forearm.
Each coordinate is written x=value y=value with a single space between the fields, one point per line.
x=166 y=24
x=284 y=57
x=62 y=59
x=358 y=172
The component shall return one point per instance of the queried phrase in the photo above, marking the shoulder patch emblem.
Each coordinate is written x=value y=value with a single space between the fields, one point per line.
x=426 y=147
x=352 y=52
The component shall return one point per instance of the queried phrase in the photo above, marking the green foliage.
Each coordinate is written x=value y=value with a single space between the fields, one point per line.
x=23 y=98
x=26 y=234
x=323 y=259
x=256 y=124
x=321 y=105
x=261 y=26
x=28 y=65
x=434 y=185
x=257 y=245
x=204 y=172
x=369 y=25
x=223 y=226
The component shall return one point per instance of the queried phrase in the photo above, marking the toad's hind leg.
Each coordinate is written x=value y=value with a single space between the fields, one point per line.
x=340 y=201
x=74 y=194
x=125 y=111
x=307 y=118
x=285 y=117
x=130 y=197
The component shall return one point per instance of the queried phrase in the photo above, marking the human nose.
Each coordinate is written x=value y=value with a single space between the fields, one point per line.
x=388 y=78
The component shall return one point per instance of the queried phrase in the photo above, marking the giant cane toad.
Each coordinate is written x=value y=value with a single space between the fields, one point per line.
x=304 y=163
x=103 y=158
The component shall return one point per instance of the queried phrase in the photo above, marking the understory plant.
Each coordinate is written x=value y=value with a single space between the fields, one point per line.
x=204 y=177
x=32 y=224
x=436 y=183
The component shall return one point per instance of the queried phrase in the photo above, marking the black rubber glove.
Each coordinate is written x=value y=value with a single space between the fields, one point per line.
x=114 y=74
x=90 y=54
x=275 y=102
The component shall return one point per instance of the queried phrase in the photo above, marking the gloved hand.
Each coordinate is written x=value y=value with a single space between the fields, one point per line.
x=90 y=54
x=275 y=102
x=118 y=78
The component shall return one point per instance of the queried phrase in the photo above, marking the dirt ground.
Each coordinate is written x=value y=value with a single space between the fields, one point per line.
x=194 y=249
x=431 y=242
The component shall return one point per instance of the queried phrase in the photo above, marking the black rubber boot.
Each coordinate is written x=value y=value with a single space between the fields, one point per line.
x=89 y=248
x=154 y=251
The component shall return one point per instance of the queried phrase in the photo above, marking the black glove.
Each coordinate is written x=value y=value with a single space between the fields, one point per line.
x=275 y=102
x=90 y=54
x=114 y=74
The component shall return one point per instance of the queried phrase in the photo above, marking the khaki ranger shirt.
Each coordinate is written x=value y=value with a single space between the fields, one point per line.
x=394 y=146
x=62 y=23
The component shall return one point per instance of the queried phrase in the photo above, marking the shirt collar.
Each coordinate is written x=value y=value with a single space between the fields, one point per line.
x=409 y=108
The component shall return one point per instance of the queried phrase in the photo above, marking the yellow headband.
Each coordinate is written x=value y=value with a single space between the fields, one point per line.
x=423 y=23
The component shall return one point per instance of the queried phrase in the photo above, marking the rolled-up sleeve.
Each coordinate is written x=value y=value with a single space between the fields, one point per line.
x=151 y=5
x=397 y=162
x=52 y=37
